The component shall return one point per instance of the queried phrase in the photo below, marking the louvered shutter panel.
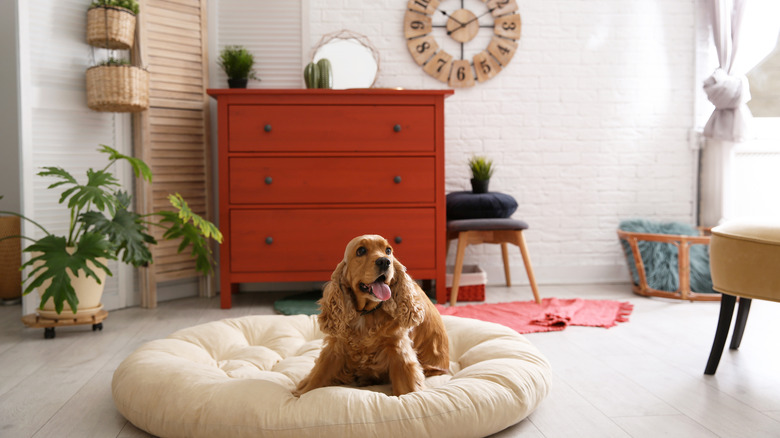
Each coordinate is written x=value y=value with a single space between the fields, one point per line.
x=172 y=135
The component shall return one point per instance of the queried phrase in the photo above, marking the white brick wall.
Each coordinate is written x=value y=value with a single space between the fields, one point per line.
x=588 y=124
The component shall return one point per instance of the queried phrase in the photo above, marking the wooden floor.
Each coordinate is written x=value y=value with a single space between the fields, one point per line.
x=643 y=378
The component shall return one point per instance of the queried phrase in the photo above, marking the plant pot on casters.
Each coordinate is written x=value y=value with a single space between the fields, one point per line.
x=101 y=228
x=89 y=291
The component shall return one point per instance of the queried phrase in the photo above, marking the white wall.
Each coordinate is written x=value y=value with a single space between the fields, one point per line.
x=9 y=120
x=588 y=124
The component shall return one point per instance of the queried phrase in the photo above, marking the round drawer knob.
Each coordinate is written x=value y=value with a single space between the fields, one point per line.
x=397 y=179
x=397 y=128
x=267 y=128
x=269 y=240
x=398 y=239
x=269 y=180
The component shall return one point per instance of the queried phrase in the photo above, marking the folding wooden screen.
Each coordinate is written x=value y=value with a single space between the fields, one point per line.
x=172 y=135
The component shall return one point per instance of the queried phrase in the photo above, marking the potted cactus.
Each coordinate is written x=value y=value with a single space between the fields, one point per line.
x=102 y=227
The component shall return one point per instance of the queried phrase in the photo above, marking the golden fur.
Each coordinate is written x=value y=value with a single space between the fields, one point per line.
x=370 y=341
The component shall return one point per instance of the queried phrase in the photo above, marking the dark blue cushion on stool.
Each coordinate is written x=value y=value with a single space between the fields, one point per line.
x=468 y=205
x=486 y=224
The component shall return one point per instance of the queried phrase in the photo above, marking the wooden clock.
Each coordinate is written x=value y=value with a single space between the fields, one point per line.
x=462 y=26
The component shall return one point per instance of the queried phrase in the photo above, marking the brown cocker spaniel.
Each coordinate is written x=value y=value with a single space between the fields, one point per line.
x=379 y=325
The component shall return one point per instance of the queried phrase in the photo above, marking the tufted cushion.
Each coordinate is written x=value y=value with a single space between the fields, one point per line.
x=233 y=378
x=467 y=205
x=745 y=255
x=486 y=225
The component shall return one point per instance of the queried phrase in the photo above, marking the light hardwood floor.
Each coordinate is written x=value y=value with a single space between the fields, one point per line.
x=643 y=378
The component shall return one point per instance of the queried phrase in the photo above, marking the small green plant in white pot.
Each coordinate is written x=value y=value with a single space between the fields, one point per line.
x=103 y=227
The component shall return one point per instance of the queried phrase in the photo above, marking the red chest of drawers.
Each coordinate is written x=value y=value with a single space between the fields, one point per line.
x=302 y=172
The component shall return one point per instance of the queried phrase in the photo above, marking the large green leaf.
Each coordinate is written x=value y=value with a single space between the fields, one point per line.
x=140 y=168
x=126 y=232
x=208 y=229
x=51 y=261
x=96 y=191
x=58 y=172
x=193 y=230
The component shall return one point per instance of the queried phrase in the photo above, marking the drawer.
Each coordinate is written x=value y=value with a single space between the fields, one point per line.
x=331 y=180
x=312 y=128
x=304 y=240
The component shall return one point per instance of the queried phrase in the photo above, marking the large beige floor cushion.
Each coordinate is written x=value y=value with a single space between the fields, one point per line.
x=233 y=378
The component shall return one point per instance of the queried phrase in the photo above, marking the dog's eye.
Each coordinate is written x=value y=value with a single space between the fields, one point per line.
x=388 y=251
x=361 y=251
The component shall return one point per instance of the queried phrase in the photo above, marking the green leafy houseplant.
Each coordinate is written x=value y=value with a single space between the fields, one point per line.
x=103 y=227
x=481 y=171
x=132 y=5
x=238 y=63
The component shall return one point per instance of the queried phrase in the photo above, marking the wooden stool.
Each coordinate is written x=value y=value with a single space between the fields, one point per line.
x=476 y=231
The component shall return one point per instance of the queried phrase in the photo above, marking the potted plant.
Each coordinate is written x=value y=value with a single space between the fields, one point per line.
x=103 y=228
x=111 y=24
x=238 y=65
x=481 y=171
x=115 y=85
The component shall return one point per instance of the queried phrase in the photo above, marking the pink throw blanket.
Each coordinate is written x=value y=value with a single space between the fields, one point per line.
x=552 y=314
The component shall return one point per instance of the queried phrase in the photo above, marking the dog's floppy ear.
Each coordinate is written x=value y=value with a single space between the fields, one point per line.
x=405 y=306
x=336 y=305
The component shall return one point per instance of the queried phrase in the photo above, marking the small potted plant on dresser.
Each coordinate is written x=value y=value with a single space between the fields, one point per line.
x=237 y=63
x=66 y=268
x=481 y=171
x=111 y=24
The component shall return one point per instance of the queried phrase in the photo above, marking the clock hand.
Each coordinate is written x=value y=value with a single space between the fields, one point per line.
x=453 y=18
x=450 y=32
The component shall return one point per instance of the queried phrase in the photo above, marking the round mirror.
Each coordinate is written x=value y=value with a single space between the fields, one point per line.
x=355 y=62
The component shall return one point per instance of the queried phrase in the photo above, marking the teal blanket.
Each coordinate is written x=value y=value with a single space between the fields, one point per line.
x=660 y=259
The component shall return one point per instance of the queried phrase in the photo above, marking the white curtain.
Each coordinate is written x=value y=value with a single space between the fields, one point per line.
x=729 y=92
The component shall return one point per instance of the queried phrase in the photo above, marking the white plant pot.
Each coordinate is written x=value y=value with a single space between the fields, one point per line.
x=88 y=292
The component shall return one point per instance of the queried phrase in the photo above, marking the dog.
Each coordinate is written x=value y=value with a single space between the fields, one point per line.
x=379 y=325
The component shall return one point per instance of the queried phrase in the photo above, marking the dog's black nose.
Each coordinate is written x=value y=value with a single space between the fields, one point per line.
x=383 y=263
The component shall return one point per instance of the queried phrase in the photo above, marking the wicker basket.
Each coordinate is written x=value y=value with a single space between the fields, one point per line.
x=10 y=259
x=117 y=88
x=110 y=27
x=683 y=244
x=472 y=283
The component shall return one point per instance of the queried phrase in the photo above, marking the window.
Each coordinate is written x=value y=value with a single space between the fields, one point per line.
x=756 y=178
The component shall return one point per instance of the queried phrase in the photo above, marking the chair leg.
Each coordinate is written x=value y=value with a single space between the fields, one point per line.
x=527 y=262
x=505 y=256
x=739 y=325
x=463 y=242
x=721 y=333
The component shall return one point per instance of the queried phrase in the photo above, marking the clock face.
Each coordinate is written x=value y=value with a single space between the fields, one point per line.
x=461 y=42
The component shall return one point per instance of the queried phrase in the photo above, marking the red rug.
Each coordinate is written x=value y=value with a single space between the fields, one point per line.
x=552 y=314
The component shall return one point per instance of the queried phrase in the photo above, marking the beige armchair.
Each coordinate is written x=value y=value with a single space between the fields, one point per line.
x=745 y=264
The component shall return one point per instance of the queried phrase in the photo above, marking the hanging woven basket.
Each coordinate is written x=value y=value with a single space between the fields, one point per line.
x=117 y=88
x=110 y=27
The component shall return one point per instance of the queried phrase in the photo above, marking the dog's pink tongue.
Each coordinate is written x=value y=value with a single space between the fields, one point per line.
x=380 y=290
